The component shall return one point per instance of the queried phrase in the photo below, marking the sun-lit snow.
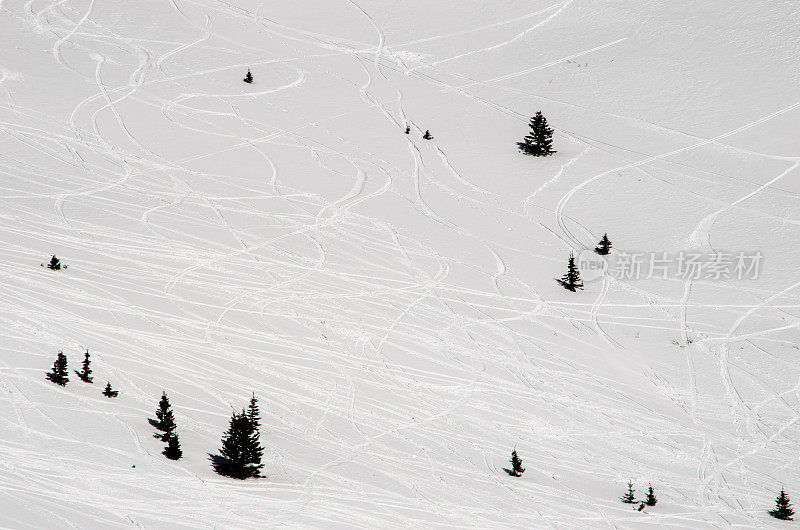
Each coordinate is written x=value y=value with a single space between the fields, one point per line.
x=390 y=300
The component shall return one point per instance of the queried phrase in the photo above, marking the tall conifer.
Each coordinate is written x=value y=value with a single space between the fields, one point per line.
x=85 y=374
x=572 y=279
x=650 y=498
x=253 y=413
x=540 y=141
x=516 y=465
x=629 y=498
x=783 y=508
x=55 y=264
x=165 y=419
x=110 y=392
x=604 y=246
x=60 y=374
x=240 y=454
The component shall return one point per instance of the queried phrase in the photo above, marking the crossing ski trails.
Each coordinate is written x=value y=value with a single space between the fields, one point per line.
x=392 y=300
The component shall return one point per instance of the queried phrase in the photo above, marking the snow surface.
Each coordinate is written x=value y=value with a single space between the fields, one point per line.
x=390 y=300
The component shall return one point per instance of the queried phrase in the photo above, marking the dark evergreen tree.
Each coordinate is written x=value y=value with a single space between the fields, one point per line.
x=240 y=455
x=427 y=136
x=572 y=279
x=783 y=508
x=540 y=141
x=60 y=374
x=165 y=419
x=109 y=392
x=650 y=498
x=173 y=448
x=629 y=498
x=408 y=129
x=604 y=246
x=516 y=465
x=85 y=374
x=55 y=264
x=253 y=414
x=248 y=78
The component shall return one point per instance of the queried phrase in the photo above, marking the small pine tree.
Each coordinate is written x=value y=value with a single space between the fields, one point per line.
x=109 y=392
x=604 y=246
x=783 y=508
x=572 y=279
x=650 y=498
x=629 y=498
x=60 y=374
x=85 y=374
x=253 y=413
x=55 y=264
x=516 y=465
x=165 y=419
x=173 y=448
x=540 y=141
x=249 y=77
x=240 y=455
x=427 y=136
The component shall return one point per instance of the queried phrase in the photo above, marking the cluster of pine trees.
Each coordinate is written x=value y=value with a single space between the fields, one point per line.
x=60 y=373
x=630 y=497
x=783 y=508
x=540 y=143
x=572 y=279
x=241 y=451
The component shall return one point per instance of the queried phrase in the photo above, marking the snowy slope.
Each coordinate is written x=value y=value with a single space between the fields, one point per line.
x=391 y=300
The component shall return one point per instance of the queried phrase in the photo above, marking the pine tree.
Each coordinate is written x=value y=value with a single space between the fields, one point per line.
x=650 y=499
x=516 y=465
x=249 y=77
x=604 y=246
x=60 y=374
x=240 y=455
x=165 y=419
x=173 y=448
x=85 y=374
x=109 y=392
x=572 y=279
x=540 y=141
x=253 y=414
x=783 y=509
x=629 y=498
x=427 y=136
x=55 y=264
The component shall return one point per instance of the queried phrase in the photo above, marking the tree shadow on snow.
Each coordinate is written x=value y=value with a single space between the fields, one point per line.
x=564 y=284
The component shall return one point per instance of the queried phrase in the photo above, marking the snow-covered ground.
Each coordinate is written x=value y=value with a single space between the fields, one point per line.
x=391 y=300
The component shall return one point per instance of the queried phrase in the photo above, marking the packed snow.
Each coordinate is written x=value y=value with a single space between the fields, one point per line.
x=391 y=300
